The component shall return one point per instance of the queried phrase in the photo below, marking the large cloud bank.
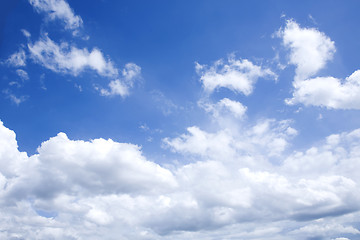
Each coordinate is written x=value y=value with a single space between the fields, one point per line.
x=240 y=185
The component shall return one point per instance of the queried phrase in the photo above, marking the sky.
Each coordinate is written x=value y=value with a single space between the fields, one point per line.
x=160 y=119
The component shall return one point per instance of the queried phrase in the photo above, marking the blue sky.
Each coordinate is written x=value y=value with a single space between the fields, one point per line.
x=179 y=119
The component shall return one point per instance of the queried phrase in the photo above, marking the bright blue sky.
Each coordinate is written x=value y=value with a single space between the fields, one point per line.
x=143 y=72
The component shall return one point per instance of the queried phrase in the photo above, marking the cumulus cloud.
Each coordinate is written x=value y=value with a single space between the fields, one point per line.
x=17 y=59
x=69 y=59
x=64 y=58
x=224 y=106
x=74 y=189
x=267 y=137
x=130 y=73
x=328 y=92
x=238 y=75
x=58 y=10
x=310 y=49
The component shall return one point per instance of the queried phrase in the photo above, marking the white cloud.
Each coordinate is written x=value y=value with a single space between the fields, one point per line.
x=116 y=87
x=238 y=75
x=130 y=73
x=22 y=74
x=26 y=33
x=58 y=9
x=100 y=188
x=310 y=49
x=329 y=92
x=267 y=137
x=17 y=59
x=224 y=106
x=69 y=59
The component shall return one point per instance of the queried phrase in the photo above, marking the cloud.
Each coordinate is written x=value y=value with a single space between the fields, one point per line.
x=328 y=92
x=17 y=59
x=14 y=98
x=130 y=73
x=58 y=9
x=166 y=105
x=223 y=107
x=238 y=75
x=326 y=228
x=267 y=137
x=74 y=189
x=69 y=59
x=310 y=49
x=26 y=33
x=116 y=87
x=22 y=74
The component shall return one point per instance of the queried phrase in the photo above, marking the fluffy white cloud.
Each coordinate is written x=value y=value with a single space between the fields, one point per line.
x=11 y=160
x=17 y=59
x=100 y=188
x=238 y=75
x=116 y=87
x=72 y=60
x=224 y=106
x=329 y=92
x=309 y=48
x=58 y=9
x=267 y=137
x=130 y=73
x=69 y=59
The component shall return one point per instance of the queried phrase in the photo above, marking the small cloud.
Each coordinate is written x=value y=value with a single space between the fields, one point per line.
x=116 y=87
x=238 y=75
x=14 y=83
x=58 y=10
x=224 y=107
x=22 y=74
x=17 y=59
x=69 y=59
x=166 y=105
x=78 y=87
x=42 y=82
x=144 y=127
x=14 y=98
x=26 y=33
x=312 y=19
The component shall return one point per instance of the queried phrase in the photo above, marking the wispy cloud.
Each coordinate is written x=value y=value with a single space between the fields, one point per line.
x=22 y=74
x=58 y=10
x=15 y=99
x=17 y=59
